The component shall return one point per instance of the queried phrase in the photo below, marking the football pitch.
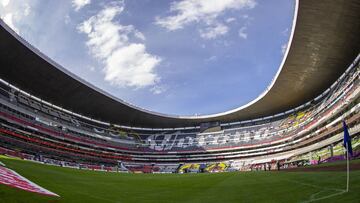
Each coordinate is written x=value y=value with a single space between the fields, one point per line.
x=92 y=186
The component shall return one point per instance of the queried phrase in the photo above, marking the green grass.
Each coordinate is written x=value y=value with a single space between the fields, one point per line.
x=88 y=186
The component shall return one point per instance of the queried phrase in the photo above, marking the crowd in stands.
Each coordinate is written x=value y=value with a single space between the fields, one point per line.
x=31 y=126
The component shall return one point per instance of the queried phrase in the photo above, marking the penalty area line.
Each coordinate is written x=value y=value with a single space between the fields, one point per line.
x=325 y=197
x=312 y=197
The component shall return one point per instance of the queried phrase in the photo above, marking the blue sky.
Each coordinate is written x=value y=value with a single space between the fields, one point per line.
x=177 y=57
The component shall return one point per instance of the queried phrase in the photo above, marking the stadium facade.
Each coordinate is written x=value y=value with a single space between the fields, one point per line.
x=44 y=115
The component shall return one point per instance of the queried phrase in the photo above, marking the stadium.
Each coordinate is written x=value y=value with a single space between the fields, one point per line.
x=77 y=143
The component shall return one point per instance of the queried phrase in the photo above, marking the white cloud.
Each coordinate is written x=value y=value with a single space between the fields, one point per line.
x=78 y=4
x=92 y=68
x=285 y=32
x=139 y=35
x=126 y=63
x=4 y=3
x=8 y=19
x=26 y=9
x=158 y=89
x=201 y=11
x=189 y=11
x=283 y=48
x=245 y=16
x=211 y=58
x=13 y=13
x=242 y=32
x=131 y=66
x=229 y=20
x=67 y=19
x=213 y=32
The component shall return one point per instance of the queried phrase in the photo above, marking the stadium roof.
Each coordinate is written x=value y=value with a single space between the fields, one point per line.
x=323 y=43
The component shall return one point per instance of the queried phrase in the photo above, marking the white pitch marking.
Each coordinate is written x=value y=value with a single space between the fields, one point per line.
x=312 y=199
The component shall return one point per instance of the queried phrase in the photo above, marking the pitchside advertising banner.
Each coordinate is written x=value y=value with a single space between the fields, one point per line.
x=11 y=178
